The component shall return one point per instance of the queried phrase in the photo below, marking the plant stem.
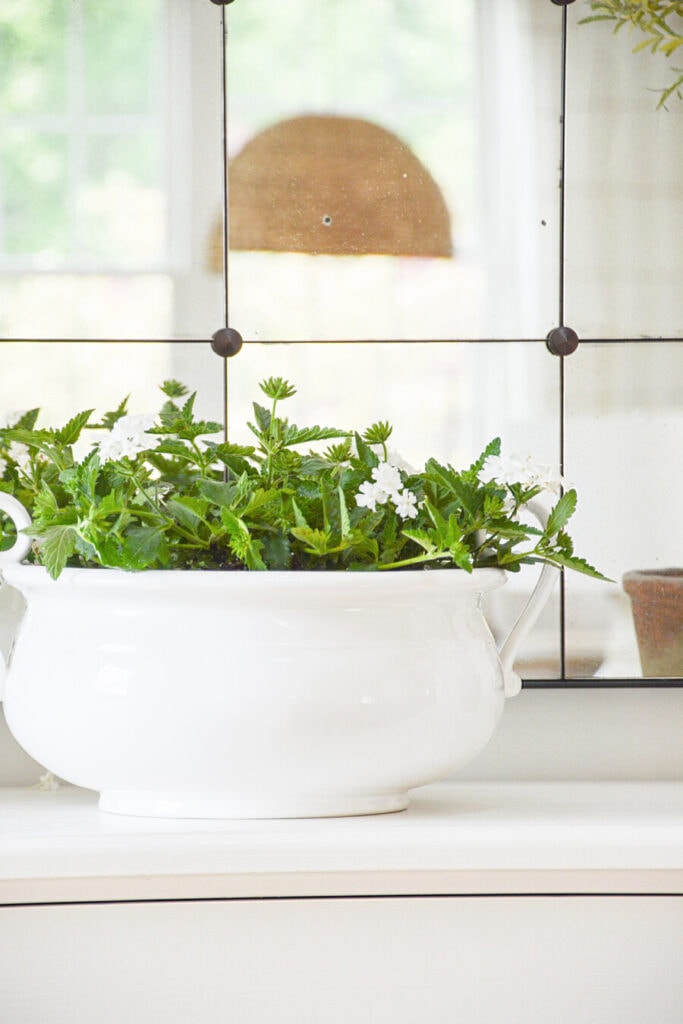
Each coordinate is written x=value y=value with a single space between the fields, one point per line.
x=164 y=516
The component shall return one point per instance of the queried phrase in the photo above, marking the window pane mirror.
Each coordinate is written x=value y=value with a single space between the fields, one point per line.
x=624 y=187
x=394 y=171
x=624 y=454
x=470 y=91
x=110 y=166
x=431 y=394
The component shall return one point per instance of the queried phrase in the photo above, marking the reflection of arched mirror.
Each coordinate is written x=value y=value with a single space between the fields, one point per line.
x=110 y=185
x=339 y=186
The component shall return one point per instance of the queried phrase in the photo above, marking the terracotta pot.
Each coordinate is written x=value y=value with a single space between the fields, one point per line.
x=657 y=604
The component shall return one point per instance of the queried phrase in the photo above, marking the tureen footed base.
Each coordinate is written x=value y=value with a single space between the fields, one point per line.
x=219 y=805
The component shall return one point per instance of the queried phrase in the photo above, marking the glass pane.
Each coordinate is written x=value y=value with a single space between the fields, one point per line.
x=435 y=398
x=110 y=168
x=624 y=258
x=32 y=68
x=47 y=305
x=624 y=451
x=471 y=89
x=131 y=41
x=63 y=378
x=35 y=190
x=122 y=210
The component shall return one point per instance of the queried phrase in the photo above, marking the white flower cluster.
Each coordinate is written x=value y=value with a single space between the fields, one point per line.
x=511 y=469
x=127 y=438
x=386 y=486
x=19 y=453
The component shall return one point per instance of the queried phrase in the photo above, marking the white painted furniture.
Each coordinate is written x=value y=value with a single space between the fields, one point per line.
x=529 y=903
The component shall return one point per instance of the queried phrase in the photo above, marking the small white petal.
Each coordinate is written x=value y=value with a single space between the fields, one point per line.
x=133 y=425
x=371 y=495
x=406 y=504
x=20 y=453
x=387 y=477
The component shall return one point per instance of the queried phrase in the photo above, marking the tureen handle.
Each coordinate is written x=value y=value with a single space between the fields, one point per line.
x=530 y=613
x=21 y=519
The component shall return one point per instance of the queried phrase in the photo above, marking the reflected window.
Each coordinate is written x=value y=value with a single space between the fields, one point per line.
x=99 y=192
x=111 y=227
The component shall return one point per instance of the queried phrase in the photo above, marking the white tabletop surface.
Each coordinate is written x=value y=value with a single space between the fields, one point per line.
x=483 y=838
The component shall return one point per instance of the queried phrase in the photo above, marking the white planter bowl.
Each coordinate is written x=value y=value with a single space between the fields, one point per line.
x=247 y=694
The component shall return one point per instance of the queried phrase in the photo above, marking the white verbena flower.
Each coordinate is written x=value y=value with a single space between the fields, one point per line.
x=511 y=469
x=386 y=486
x=128 y=437
x=11 y=418
x=388 y=478
x=19 y=453
x=370 y=496
x=406 y=504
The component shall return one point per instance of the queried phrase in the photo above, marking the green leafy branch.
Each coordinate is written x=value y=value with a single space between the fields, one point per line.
x=170 y=495
x=659 y=21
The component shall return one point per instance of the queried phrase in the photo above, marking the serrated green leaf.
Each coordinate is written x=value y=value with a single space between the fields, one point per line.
x=259 y=498
x=56 y=546
x=578 y=565
x=187 y=511
x=174 y=389
x=143 y=546
x=171 y=446
x=218 y=492
x=110 y=418
x=299 y=518
x=378 y=433
x=111 y=504
x=339 y=453
x=344 y=520
x=277 y=388
x=561 y=514
x=313 y=465
x=302 y=435
x=32 y=438
x=277 y=551
x=224 y=450
x=365 y=453
x=421 y=537
x=27 y=420
x=317 y=542
x=262 y=417
x=200 y=428
x=45 y=507
x=492 y=448
x=72 y=430
x=242 y=545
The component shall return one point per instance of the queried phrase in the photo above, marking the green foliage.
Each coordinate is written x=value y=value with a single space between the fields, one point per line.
x=659 y=21
x=166 y=494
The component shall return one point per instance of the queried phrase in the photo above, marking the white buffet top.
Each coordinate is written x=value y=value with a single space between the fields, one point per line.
x=484 y=838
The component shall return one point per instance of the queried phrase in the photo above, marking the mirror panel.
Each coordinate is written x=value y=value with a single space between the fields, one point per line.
x=624 y=188
x=110 y=169
x=472 y=89
x=432 y=396
x=624 y=449
x=64 y=377
x=111 y=203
